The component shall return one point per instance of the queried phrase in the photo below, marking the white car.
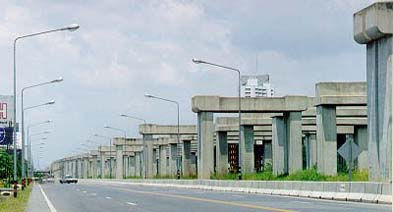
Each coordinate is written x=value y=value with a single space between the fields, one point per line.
x=68 y=179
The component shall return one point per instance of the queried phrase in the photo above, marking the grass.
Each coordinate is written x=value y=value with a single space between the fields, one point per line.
x=304 y=175
x=18 y=204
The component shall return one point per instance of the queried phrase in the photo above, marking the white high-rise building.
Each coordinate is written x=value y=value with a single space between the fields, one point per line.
x=256 y=86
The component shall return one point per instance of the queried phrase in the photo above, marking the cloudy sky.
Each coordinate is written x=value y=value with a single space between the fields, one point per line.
x=127 y=48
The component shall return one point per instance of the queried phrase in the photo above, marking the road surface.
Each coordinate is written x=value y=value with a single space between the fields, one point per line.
x=85 y=197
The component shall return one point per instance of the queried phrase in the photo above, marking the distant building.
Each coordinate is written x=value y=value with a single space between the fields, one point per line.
x=256 y=86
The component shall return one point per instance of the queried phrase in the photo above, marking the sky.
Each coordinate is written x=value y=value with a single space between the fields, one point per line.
x=127 y=48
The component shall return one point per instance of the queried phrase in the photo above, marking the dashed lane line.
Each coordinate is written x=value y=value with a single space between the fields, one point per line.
x=131 y=203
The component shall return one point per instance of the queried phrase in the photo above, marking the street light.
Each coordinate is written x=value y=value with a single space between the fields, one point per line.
x=30 y=168
x=196 y=61
x=117 y=129
x=110 y=153
x=23 y=117
x=178 y=126
x=133 y=117
x=70 y=28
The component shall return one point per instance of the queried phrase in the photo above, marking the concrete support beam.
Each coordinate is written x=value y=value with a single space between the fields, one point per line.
x=186 y=158
x=373 y=26
x=361 y=139
x=163 y=160
x=279 y=146
x=327 y=140
x=172 y=159
x=119 y=162
x=221 y=153
x=205 y=145
x=138 y=162
x=247 y=148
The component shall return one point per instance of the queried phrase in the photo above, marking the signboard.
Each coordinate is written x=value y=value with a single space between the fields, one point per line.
x=6 y=110
x=5 y=135
x=349 y=151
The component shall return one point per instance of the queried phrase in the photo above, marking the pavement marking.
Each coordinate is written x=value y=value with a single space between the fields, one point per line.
x=48 y=202
x=108 y=197
x=131 y=203
x=237 y=204
x=93 y=194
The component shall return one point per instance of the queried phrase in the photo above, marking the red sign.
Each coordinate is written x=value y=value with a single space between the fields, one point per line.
x=3 y=110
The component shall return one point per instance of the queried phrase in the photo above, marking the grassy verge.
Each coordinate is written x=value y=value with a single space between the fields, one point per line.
x=304 y=175
x=16 y=204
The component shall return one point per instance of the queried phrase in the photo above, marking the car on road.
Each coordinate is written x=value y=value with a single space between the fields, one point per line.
x=68 y=179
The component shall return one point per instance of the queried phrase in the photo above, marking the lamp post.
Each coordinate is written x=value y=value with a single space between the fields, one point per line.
x=110 y=152
x=178 y=127
x=70 y=28
x=23 y=143
x=30 y=168
x=196 y=61
x=60 y=79
x=143 y=139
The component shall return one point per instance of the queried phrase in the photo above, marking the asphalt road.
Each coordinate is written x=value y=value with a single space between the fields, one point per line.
x=87 y=197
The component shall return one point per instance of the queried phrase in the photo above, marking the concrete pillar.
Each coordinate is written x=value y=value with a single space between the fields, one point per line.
x=138 y=170
x=102 y=163
x=148 y=158
x=155 y=165
x=79 y=168
x=205 y=145
x=267 y=154
x=287 y=143
x=311 y=150
x=172 y=159
x=221 y=152
x=85 y=167
x=132 y=166
x=162 y=162
x=279 y=146
x=247 y=148
x=119 y=162
x=326 y=140
x=361 y=139
x=126 y=167
x=186 y=158
x=374 y=26
x=94 y=167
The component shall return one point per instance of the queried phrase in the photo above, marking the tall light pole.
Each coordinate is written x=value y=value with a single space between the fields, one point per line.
x=196 y=61
x=23 y=143
x=178 y=127
x=117 y=129
x=60 y=79
x=30 y=168
x=70 y=28
x=110 y=153
x=143 y=139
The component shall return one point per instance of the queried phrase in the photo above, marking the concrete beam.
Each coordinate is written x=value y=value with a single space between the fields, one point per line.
x=341 y=93
x=154 y=129
x=218 y=104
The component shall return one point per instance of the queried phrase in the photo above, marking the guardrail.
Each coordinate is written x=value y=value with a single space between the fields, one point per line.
x=370 y=192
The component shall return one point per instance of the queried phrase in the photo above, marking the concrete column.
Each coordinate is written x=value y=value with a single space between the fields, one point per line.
x=374 y=26
x=294 y=138
x=79 y=168
x=247 y=148
x=148 y=158
x=138 y=170
x=267 y=154
x=279 y=146
x=119 y=162
x=126 y=167
x=205 y=145
x=102 y=161
x=287 y=143
x=94 y=167
x=186 y=158
x=172 y=159
x=162 y=162
x=85 y=167
x=132 y=166
x=155 y=165
x=361 y=139
x=221 y=152
x=326 y=140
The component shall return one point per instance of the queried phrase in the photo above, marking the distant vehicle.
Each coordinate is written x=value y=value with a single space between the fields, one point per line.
x=68 y=179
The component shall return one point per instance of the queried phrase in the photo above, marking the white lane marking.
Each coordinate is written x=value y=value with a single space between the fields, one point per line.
x=93 y=194
x=108 y=197
x=131 y=203
x=85 y=192
x=48 y=202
